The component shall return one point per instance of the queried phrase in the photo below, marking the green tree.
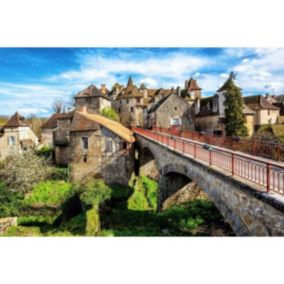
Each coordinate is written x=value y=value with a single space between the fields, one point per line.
x=110 y=113
x=234 y=117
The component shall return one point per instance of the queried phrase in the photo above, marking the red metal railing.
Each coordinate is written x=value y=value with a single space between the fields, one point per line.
x=268 y=175
x=274 y=151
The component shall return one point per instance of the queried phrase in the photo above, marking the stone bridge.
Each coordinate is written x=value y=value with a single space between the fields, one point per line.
x=249 y=211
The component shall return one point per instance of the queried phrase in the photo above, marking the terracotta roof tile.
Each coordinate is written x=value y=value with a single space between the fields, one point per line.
x=192 y=85
x=91 y=91
x=16 y=121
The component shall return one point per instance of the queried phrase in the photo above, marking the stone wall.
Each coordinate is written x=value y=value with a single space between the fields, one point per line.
x=249 y=212
x=174 y=107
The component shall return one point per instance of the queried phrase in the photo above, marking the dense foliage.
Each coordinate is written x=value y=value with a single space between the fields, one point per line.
x=20 y=173
x=110 y=113
x=234 y=117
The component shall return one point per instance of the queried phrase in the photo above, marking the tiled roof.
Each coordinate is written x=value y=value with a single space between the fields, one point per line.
x=16 y=121
x=91 y=91
x=259 y=102
x=192 y=85
x=52 y=121
x=88 y=121
x=131 y=91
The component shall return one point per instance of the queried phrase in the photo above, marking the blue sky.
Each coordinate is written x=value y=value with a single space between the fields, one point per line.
x=31 y=79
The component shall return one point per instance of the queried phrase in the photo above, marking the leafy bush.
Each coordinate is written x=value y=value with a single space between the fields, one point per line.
x=49 y=194
x=60 y=173
x=10 y=202
x=21 y=173
x=151 y=187
x=119 y=192
x=110 y=113
x=94 y=191
x=138 y=200
x=45 y=152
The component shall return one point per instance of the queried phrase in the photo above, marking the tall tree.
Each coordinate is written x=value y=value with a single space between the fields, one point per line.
x=234 y=117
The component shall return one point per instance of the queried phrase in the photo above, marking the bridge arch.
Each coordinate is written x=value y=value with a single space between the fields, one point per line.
x=148 y=163
x=174 y=177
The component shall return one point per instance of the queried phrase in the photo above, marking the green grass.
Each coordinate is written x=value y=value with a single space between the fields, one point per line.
x=21 y=231
x=136 y=217
x=36 y=220
x=49 y=194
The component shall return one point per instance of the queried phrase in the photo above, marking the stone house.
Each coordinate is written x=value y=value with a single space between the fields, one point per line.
x=47 y=129
x=210 y=114
x=132 y=102
x=191 y=92
x=93 y=98
x=16 y=136
x=93 y=145
x=265 y=112
x=172 y=111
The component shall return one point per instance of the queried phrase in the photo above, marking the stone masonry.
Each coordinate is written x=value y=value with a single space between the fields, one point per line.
x=248 y=211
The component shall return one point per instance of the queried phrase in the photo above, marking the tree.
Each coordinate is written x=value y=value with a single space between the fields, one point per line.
x=234 y=117
x=58 y=106
x=21 y=172
x=110 y=113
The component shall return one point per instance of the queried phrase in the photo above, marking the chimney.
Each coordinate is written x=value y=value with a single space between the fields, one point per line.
x=103 y=89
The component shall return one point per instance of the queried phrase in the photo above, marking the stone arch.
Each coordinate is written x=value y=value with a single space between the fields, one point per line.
x=175 y=176
x=148 y=163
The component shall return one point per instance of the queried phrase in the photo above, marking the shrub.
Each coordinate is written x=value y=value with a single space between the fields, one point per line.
x=120 y=193
x=45 y=152
x=22 y=172
x=138 y=200
x=94 y=192
x=10 y=202
x=60 y=173
x=151 y=187
x=38 y=220
x=110 y=113
x=49 y=194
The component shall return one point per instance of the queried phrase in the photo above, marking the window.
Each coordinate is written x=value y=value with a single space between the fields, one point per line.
x=268 y=112
x=123 y=146
x=109 y=146
x=85 y=143
x=11 y=140
x=127 y=101
x=176 y=108
x=138 y=100
x=119 y=110
x=131 y=109
x=270 y=120
x=175 y=121
x=85 y=159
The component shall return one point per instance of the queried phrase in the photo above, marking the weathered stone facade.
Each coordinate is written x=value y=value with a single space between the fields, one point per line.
x=86 y=143
x=168 y=109
x=249 y=212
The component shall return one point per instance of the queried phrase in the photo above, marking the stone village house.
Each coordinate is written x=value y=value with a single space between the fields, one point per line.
x=16 y=136
x=210 y=114
x=93 y=145
x=172 y=111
